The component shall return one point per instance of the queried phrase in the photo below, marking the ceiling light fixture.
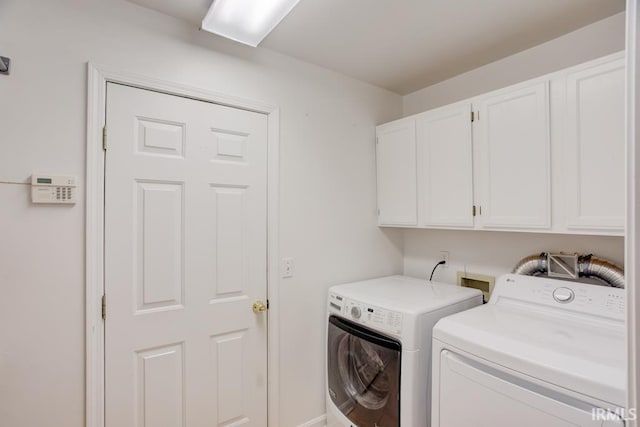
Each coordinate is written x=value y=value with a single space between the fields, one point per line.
x=246 y=21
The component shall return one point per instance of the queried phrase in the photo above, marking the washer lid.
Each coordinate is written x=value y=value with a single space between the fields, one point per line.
x=576 y=352
x=405 y=294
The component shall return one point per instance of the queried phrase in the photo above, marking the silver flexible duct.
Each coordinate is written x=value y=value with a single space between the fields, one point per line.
x=588 y=266
x=532 y=265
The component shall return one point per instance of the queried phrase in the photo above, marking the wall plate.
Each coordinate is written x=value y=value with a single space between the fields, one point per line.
x=477 y=281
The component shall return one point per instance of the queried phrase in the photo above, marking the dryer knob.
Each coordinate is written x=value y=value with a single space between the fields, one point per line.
x=563 y=295
x=355 y=312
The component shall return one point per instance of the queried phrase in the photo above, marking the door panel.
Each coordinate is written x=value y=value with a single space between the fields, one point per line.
x=159 y=232
x=159 y=385
x=445 y=167
x=595 y=155
x=230 y=240
x=396 y=167
x=515 y=162
x=228 y=354
x=162 y=138
x=185 y=257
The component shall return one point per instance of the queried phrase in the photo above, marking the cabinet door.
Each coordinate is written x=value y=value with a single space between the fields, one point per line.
x=445 y=170
x=396 y=168
x=595 y=149
x=514 y=162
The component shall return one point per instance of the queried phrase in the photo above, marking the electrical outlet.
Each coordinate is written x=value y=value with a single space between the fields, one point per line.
x=287 y=267
x=444 y=256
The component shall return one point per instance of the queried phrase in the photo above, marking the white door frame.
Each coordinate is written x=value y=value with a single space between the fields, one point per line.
x=632 y=238
x=98 y=77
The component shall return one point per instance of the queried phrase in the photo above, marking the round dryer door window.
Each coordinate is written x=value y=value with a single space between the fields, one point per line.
x=364 y=374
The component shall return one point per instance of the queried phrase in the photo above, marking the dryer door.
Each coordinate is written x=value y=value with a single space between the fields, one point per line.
x=475 y=394
x=363 y=374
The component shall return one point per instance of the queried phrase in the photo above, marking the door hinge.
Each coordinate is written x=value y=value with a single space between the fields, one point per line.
x=104 y=307
x=473 y=116
x=267 y=304
x=104 y=138
x=473 y=211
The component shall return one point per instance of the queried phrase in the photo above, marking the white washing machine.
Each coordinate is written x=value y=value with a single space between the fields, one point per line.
x=542 y=352
x=379 y=349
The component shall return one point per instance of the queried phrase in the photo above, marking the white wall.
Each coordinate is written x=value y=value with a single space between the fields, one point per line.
x=590 y=42
x=327 y=189
x=496 y=253
x=492 y=252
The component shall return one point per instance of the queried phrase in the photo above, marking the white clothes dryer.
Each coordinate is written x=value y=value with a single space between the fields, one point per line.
x=379 y=349
x=542 y=352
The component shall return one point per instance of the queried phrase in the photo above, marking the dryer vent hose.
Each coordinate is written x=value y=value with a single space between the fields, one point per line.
x=588 y=266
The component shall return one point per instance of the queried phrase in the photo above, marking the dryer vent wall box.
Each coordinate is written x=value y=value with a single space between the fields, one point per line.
x=477 y=281
x=53 y=189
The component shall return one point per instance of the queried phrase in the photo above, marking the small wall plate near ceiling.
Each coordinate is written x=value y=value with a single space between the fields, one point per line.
x=246 y=21
x=5 y=65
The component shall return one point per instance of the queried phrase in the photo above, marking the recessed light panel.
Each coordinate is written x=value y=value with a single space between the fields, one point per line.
x=246 y=21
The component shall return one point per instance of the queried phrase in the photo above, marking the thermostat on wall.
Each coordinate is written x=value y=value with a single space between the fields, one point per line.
x=53 y=189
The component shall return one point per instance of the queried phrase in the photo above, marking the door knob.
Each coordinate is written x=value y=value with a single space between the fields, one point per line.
x=259 y=307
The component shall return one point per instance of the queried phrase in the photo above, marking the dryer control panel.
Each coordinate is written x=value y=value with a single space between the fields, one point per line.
x=365 y=314
x=583 y=298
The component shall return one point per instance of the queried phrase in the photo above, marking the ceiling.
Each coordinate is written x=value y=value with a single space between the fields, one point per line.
x=405 y=45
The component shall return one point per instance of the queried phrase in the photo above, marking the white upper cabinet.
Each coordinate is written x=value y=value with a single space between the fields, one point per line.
x=595 y=147
x=445 y=167
x=547 y=155
x=396 y=170
x=514 y=162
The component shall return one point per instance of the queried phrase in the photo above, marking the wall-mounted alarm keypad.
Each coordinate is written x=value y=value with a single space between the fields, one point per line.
x=53 y=189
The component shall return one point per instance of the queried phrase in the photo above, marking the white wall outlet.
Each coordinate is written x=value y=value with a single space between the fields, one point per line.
x=287 y=267
x=444 y=256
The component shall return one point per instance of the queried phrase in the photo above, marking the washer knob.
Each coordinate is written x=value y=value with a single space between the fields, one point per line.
x=355 y=312
x=563 y=295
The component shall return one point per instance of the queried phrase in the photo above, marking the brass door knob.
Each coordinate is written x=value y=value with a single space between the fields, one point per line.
x=259 y=307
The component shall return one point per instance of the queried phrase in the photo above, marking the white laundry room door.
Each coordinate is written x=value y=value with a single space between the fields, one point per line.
x=185 y=259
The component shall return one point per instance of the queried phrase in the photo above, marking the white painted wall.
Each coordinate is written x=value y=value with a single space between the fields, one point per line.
x=492 y=252
x=496 y=253
x=327 y=189
x=590 y=42
x=327 y=185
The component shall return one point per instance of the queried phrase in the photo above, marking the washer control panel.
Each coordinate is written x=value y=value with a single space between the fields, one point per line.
x=602 y=301
x=365 y=314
